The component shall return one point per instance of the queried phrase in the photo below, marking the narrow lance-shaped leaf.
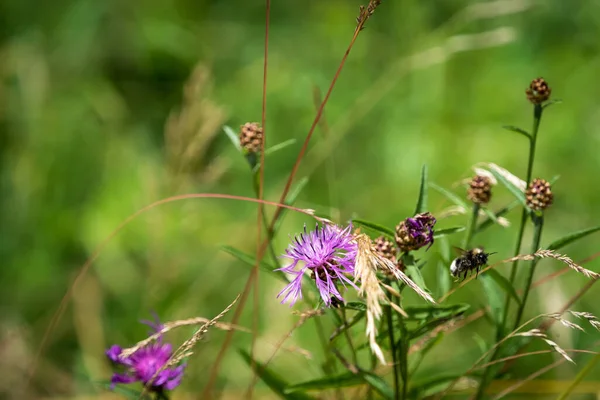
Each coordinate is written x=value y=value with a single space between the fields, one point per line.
x=518 y=130
x=518 y=193
x=566 y=240
x=419 y=313
x=489 y=222
x=450 y=196
x=279 y=146
x=415 y=274
x=275 y=382
x=125 y=391
x=447 y=231
x=328 y=382
x=375 y=227
x=250 y=260
x=504 y=284
x=422 y=201
x=233 y=136
x=495 y=300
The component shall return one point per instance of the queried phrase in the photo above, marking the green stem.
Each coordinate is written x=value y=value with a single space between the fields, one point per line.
x=270 y=233
x=538 y=224
x=348 y=337
x=580 y=375
x=537 y=117
x=390 y=324
x=472 y=225
x=403 y=351
x=501 y=329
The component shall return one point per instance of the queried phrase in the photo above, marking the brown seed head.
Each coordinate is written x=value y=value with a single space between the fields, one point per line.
x=480 y=189
x=251 y=137
x=538 y=91
x=539 y=195
x=388 y=250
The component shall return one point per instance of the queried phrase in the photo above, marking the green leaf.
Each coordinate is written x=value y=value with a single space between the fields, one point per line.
x=375 y=227
x=495 y=300
x=343 y=327
x=448 y=231
x=345 y=380
x=331 y=382
x=290 y=200
x=443 y=278
x=504 y=284
x=124 y=391
x=419 y=313
x=356 y=305
x=377 y=383
x=518 y=130
x=565 y=240
x=426 y=388
x=250 y=260
x=450 y=196
x=550 y=102
x=519 y=195
x=279 y=146
x=422 y=201
x=489 y=222
x=233 y=136
x=273 y=380
x=415 y=274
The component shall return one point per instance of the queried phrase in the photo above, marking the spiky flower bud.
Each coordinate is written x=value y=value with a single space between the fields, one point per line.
x=480 y=189
x=388 y=250
x=251 y=137
x=414 y=233
x=539 y=195
x=538 y=91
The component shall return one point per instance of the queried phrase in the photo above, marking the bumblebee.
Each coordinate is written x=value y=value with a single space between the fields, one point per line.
x=469 y=260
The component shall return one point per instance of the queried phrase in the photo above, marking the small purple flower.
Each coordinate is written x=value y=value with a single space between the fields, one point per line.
x=143 y=365
x=414 y=233
x=329 y=252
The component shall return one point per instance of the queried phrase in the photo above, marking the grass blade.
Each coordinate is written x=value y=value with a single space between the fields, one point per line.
x=517 y=130
x=422 y=201
x=272 y=380
x=448 y=231
x=518 y=193
x=504 y=284
x=450 y=196
x=373 y=226
x=562 y=242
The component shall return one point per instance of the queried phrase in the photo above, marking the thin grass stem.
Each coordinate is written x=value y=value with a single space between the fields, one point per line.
x=537 y=236
x=472 y=225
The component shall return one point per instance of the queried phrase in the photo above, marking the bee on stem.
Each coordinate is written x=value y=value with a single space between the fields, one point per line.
x=468 y=261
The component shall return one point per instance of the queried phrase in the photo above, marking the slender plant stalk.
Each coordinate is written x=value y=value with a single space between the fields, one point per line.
x=580 y=375
x=538 y=223
x=249 y=283
x=348 y=337
x=537 y=117
x=472 y=225
x=261 y=209
x=501 y=329
x=390 y=324
x=403 y=352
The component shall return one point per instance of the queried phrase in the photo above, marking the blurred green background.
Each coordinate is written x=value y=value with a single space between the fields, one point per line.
x=108 y=106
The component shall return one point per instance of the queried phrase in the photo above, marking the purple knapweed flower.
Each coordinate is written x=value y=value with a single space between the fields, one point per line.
x=329 y=252
x=416 y=232
x=143 y=365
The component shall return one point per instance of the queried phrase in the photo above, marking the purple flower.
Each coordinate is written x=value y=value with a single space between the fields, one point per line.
x=414 y=233
x=143 y=365
x=329 y=252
